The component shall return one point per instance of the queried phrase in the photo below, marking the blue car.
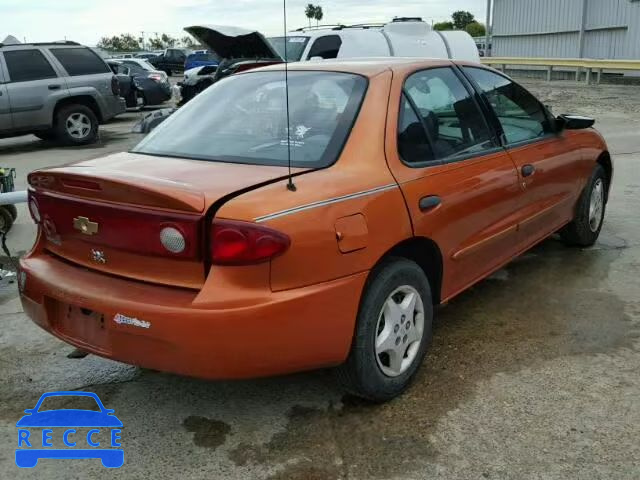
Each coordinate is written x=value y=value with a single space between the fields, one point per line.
x=28 y=455
x=199 y=60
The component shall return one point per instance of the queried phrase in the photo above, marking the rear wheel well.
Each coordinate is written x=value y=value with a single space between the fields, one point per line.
x=605 y=161
x=86 y=100
x=426 y=253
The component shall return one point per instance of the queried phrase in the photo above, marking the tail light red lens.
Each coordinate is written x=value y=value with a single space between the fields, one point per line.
x=156 y=77
x=245 y=243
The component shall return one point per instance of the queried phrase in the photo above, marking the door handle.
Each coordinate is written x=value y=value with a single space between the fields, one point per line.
x=429 y=203
x=527 y=170
x=54 y=87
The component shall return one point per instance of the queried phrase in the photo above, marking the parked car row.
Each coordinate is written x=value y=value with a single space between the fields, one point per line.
x=239 y=49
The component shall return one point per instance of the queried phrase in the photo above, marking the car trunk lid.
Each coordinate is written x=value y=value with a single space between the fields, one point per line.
x=234 y=42
x=107 y=214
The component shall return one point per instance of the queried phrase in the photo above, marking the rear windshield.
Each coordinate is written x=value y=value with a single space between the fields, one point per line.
x=295 y=46
x=243 y=119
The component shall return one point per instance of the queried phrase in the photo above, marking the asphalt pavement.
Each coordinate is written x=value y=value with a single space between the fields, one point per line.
x=533 y=374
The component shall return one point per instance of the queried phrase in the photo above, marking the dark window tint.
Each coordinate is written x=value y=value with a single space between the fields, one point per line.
x=79 y=61
x=25 y=65
x=326 y=47
x=452 y=122
x=413 y=145
x=176 y=55
x=521 y=115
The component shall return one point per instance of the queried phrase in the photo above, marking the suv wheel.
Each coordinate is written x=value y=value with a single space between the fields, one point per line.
x=76 y=125
x=45 y=135
x=393 y=332
x=6 y=220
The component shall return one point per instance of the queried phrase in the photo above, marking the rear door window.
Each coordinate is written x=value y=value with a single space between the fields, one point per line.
x=28 y=65
x=521 y=115
x=79 y=61
x=451 y=121
x=326 y=47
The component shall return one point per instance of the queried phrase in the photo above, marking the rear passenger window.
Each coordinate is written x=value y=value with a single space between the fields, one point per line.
x=449 y=119
x=326 y=47
x=413 y=144
x=27 y=65
x=80 y=61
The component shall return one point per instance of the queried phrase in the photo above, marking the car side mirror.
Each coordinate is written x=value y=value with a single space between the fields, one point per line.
x=574 y=122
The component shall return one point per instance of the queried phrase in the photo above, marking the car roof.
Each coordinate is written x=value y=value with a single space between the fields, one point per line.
x=368 y=67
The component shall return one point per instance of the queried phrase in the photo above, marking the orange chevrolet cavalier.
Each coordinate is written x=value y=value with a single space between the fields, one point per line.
x=411 y=180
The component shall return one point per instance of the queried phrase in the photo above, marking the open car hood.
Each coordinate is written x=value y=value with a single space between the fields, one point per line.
x=233 y=42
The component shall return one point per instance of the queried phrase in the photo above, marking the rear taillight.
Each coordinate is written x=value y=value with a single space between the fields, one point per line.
x=115 y=85
x=244 y=243
x=156 y=77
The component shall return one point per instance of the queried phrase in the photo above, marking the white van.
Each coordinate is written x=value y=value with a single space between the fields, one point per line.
x=402 y=37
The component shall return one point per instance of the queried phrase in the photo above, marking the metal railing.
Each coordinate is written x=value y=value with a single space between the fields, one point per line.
x=589 y=65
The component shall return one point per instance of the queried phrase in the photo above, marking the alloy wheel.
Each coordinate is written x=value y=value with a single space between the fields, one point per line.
x=78 y=125
x=596 y=205
x=399 y=331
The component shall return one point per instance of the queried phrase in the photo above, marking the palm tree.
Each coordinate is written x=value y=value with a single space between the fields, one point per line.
x=310 y=12
x=318 y=14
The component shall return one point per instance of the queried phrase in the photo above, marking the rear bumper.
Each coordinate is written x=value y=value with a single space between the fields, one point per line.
x=156 y=94
x=294 y=330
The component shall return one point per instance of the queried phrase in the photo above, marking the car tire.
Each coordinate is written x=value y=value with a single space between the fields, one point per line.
x=584 y=229
x=6 y=219
x=388 y=346
x=76 y=125
x=13 y=211
x=45 y=135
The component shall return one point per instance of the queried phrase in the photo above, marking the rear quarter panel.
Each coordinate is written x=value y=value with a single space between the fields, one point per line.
x=315 y=255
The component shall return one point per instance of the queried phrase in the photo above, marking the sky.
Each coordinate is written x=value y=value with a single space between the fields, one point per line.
x=86 y=21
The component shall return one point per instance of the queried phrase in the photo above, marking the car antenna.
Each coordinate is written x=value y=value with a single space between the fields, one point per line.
x=290 y=185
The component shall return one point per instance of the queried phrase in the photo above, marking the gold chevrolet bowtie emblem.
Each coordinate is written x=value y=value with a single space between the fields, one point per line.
x=85 y=225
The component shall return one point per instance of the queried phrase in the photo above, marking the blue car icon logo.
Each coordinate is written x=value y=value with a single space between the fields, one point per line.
x=41 y=428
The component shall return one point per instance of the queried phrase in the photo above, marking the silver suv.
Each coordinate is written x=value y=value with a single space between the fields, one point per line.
x=57 y=91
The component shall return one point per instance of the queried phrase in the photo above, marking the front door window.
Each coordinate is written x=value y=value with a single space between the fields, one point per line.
x=521 y=115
